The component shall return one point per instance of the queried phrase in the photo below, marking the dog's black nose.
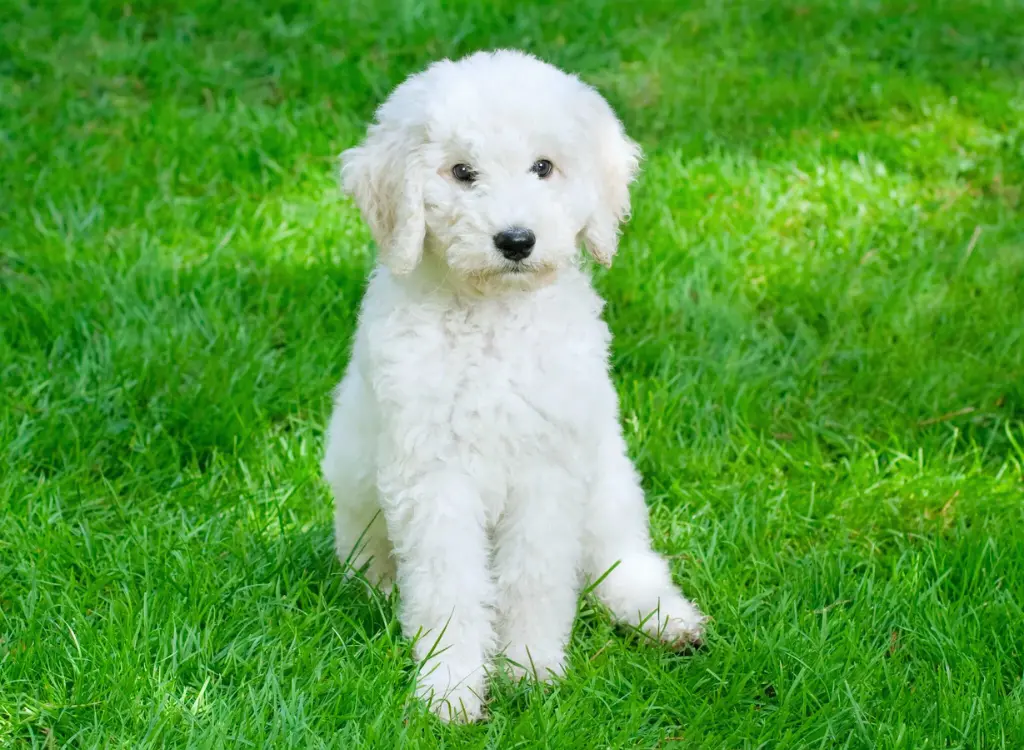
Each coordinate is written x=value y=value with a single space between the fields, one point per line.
x=515 y=243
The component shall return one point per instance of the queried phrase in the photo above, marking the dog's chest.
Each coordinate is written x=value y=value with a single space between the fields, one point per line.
x=520 y=384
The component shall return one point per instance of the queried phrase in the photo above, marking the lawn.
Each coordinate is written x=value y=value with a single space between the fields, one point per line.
x=819 y=320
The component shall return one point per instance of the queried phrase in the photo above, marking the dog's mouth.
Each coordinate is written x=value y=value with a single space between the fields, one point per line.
x=515 y=275
x=522 y=268
x=528 y=275
x=497 y=273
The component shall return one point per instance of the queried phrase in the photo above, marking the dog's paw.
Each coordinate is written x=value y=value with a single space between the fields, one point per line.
x=677 y=623
x=376 y=573
x=461 y=702
x=384 y=583
x=460 y=705
x=541 y=664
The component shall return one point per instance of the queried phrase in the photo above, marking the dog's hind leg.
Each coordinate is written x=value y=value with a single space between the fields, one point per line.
x=349 y=465
x=633 y=580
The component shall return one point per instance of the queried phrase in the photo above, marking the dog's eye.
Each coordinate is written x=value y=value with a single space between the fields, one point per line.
x=463 y=173
x=542 y=168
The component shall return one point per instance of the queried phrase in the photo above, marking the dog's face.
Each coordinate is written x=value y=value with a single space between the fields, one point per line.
x=498 y=165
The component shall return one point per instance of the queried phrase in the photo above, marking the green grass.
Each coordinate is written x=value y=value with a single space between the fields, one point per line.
x=819 y=320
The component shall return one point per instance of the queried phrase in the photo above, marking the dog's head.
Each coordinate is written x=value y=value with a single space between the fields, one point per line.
x=499 y=165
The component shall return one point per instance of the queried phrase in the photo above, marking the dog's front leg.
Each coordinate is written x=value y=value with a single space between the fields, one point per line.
x=436 y=524
x=536 y=564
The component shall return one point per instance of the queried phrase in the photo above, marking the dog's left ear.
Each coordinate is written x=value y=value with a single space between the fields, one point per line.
x=617 y=163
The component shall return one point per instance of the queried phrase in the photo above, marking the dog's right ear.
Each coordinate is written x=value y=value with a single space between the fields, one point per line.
x=382 y=177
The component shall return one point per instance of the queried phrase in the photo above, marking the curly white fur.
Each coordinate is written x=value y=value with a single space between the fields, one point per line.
x=474 y=451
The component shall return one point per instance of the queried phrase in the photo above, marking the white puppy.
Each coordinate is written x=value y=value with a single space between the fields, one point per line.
x=474 y=451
